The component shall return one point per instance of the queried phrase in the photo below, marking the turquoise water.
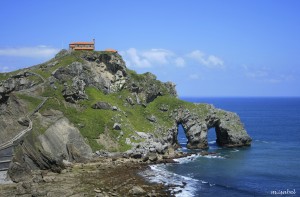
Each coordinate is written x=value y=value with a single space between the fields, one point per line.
x=271 y=164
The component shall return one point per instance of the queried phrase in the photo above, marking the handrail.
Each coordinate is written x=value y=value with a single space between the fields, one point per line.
x=29 y=128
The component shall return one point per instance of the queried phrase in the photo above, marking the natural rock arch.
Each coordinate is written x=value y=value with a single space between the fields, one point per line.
x=228 y=127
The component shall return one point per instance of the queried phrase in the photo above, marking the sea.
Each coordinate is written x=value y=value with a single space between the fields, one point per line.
x=269 y=167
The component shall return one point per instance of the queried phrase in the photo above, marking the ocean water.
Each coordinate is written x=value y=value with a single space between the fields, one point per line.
x=270 y=167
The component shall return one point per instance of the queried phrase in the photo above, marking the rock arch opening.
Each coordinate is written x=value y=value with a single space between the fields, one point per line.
x=199 y=136
x=228 y=129
x=212 y=137
x=181 y=136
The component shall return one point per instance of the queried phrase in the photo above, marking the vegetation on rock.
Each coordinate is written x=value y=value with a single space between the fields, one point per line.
x=136 y=112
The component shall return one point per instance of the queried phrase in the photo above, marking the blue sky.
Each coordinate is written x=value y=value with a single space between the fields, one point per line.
x=207 y=48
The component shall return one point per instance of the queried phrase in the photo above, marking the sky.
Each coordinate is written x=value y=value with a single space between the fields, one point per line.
x=208 y=48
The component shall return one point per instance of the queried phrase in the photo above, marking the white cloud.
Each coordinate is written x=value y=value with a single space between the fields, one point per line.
x=147 y=58
x=180 y=62
x=134 y=59
x=210 y=61
x=32 y=52
x=159 y=56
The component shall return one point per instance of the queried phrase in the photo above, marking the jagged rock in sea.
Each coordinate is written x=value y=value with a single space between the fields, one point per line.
x=230 y=131
x=139 y=115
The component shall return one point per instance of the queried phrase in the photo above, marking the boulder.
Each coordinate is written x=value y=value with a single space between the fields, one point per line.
x=75 y=92
x=23 y=121
x=151 y=118
x=130 y=100
x=143 y=134
x=114 y=108
x=117 y=126
x=102 y=105
x=164 y=108
x=152 y=157
x=127 y=141
x=63 y=139
x=137 y=191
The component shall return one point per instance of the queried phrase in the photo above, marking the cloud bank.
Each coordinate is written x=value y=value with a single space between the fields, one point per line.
x=159 y=57
x=210 y=61
x=30 y=52
x=147 y=58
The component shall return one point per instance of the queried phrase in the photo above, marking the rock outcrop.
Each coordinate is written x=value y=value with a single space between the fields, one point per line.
x=60 y=142
x=230 y=131
x=17 y=82
x=93 y=94
x=64 y=140
x=11 y=112
x=103 y=71
x=102 y=105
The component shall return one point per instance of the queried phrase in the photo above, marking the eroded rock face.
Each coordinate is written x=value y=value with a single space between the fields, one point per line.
x=61 y=141
x=28 y=157
x=14 y=83
x=147 y=88
x=54 y=140
x=64 y=140
x=103 y=71
x=230 y=131
x=10 y=112
x=75 y=92
x=108 y=73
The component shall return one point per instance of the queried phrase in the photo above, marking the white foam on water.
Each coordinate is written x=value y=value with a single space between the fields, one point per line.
x=263 y=141
x=3 y=178
x=180 y=186
x=214 y=148
x=234 y=150
x=212 y=142
x=186 y=159
x=213 y=156
x=184 y=148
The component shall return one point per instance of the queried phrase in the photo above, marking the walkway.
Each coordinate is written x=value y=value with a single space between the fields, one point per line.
x=5 y=148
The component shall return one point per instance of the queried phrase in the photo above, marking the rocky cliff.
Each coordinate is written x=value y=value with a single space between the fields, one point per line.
x=87 y=103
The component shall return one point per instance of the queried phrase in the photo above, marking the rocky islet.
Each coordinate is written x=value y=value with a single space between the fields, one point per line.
x=138 y=115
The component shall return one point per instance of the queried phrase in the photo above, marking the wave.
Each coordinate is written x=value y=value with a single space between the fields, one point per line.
x=264 y=142
x=213 y=156
x=179 y=185
x=212 y=142
x=186 y=159
x=193 y=157
x=234 y=150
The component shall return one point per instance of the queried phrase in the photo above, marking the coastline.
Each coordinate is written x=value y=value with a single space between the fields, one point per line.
x=103 y=176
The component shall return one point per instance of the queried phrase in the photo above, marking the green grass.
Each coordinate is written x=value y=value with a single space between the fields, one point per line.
x=93 y=122
x=4 y=76
x=32 y=102
x=62 y=62
x=164 y=117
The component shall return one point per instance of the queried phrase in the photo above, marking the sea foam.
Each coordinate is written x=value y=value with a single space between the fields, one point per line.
x=180 y=186
x=186 y=159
